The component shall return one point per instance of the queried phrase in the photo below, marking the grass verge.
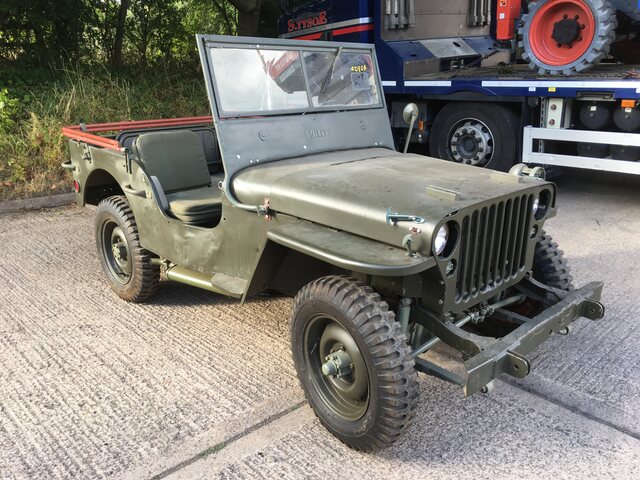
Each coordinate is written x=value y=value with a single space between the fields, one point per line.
x=35 y=105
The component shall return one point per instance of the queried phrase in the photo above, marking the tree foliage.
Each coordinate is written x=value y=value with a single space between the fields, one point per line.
x=256 y=17
x=116 y=33
x=70 y=61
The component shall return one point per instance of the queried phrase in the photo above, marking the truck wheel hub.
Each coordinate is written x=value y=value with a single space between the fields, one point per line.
x=471 y=143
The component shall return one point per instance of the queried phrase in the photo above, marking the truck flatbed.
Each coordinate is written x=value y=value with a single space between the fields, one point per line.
x=523 y=72
x=616 y=81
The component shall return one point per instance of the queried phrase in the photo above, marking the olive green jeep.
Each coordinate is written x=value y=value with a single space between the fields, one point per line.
x=297 y=188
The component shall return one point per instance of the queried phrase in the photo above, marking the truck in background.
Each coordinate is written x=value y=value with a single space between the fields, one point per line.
x=551 y=81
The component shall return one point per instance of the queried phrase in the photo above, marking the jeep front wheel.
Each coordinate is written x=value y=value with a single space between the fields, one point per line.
x=127 y=265
x=549 y=264
x=353 y=362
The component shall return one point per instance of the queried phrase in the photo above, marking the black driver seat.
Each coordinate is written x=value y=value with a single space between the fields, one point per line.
x=177 y=160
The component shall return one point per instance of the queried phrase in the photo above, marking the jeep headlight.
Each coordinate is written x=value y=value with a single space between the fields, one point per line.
x=541 y=205
x=536 y=205
x=441 y=239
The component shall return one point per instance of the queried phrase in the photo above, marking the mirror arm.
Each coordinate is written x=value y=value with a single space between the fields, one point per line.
x=406 y=142
x=409 y=114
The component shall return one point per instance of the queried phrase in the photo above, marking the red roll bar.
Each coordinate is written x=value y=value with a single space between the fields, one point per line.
x=87 y=134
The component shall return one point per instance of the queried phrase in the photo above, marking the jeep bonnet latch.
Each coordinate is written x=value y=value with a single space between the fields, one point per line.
x=394 y=217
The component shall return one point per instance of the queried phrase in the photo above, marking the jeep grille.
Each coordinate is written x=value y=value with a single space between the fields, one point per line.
x=493 y=245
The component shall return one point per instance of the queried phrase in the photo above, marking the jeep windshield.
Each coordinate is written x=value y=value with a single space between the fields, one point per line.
x=253 y=80
x=276 y=99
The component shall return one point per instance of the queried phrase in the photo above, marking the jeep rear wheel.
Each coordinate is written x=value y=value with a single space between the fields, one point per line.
x=353 y=362
x=127 y=265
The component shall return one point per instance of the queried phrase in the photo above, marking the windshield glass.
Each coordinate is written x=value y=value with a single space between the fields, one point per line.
x=262 y=81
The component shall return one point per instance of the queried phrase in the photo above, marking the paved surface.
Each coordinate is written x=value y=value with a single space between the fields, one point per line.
x=192 y=385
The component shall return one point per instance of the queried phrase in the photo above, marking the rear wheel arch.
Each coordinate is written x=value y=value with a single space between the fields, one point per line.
x=100 y=184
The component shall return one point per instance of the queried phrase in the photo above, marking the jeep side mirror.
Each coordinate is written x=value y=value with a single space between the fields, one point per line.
x=410 y=113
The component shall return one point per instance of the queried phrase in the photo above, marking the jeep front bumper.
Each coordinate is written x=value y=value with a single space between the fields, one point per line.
x=488 y=358
x=506 y=355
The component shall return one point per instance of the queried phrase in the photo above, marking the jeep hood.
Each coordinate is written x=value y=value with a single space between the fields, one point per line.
x=352 y=190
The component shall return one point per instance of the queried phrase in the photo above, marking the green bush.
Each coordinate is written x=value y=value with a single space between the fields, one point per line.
x=8 y=111
x=32 y=114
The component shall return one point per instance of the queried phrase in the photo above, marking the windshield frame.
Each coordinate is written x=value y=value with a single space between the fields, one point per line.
x=207 y=43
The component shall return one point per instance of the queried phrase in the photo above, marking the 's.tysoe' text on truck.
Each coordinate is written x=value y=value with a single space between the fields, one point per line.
x=387 y=254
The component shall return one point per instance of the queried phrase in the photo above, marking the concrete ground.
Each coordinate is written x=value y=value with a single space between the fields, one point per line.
x=193 y=385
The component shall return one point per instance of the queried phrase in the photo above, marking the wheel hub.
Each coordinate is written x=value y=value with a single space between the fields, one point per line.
x=471 y=143
x=566 y=31
x=120 y=251
x=337 y=367
x=116 y=251
x=119 y=248
x=338 y=364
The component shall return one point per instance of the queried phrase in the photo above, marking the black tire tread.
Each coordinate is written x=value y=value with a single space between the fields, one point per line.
x=398 y=385
x=550 y=265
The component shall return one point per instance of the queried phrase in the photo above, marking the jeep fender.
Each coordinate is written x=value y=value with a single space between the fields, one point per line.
x=335 y=248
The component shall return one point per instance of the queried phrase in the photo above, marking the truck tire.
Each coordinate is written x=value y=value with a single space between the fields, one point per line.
x=566 y=36
x=353 y=362
x=128 y=266
x=477 y=133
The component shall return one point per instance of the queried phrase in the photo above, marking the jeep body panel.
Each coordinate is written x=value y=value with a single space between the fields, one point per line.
x=353 y=190
x=229 y=247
